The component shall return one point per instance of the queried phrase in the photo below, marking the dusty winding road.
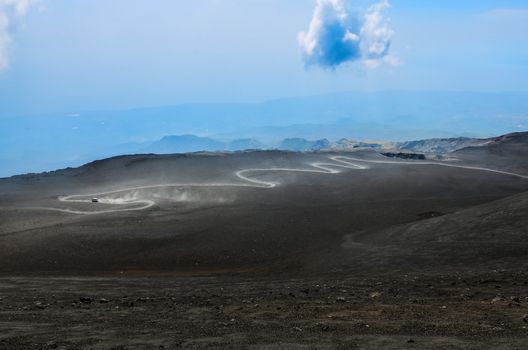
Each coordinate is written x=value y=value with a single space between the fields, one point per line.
x=340 y=162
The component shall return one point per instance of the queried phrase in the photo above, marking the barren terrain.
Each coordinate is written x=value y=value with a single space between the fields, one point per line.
x=269 y=250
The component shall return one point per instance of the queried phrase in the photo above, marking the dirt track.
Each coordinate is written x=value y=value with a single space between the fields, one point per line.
x=339 y=162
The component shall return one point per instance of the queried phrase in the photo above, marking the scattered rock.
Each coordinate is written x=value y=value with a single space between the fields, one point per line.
x=52 y=345
x=515 y=299
x=468 y=295
x=341 y=299
x=104 y=301
x=86 y=300
x=375 y=295
x=40 y=305
x=410 y=341
x=298 y=329
x=497 y=299
x=401 y=155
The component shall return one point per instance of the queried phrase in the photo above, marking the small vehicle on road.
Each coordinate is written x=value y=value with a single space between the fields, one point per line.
x=95 y=200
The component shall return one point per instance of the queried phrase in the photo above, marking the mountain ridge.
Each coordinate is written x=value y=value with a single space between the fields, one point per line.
x=433 y=146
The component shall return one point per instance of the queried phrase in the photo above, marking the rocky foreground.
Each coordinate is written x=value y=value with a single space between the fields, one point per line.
x=449 y=311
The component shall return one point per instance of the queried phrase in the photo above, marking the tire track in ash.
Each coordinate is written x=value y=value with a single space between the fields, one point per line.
x=340 y=162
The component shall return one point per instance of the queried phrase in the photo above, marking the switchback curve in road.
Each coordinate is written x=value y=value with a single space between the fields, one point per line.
x=339 y=163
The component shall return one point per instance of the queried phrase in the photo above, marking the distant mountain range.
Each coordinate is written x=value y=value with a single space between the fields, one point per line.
x=440 y=146
x=35 y=143
x=192 y=143
x=436 y=147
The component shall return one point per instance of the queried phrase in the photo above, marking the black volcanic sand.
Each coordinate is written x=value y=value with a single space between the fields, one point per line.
x=396 y=256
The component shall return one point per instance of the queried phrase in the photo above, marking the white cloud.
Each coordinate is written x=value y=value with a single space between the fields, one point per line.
x=375 y=33
x=20 y=6
x=10 y=10
x=337 y=35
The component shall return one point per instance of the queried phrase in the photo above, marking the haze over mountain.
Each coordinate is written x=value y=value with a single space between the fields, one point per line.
x=37 y=142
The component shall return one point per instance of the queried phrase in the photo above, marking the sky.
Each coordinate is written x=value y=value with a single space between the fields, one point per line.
x=78 y=55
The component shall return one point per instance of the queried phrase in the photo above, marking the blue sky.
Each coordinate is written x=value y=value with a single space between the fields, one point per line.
x=77 y=55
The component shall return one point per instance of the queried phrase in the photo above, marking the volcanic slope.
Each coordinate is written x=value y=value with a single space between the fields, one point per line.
x=310 y=222
x=508 y=152
x=390 y=255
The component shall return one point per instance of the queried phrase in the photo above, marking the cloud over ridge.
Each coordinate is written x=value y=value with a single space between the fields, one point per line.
x=337 y=35
x=10 y=9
